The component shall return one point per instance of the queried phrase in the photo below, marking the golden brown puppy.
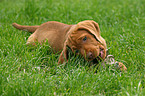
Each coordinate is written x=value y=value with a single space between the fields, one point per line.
x=83 y=38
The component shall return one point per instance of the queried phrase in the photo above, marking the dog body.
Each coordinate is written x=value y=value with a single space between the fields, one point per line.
x=52 y=31
x=83 y=38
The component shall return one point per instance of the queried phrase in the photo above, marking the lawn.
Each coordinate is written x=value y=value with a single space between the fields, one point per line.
x=33 y=71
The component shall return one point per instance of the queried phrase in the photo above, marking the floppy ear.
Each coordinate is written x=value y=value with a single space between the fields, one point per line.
x=64 y=55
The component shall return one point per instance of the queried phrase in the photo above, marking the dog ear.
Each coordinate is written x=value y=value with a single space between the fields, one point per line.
x=64 y=55
x=93 y=28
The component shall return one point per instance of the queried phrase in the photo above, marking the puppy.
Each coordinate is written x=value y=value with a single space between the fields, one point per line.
x=83 y=38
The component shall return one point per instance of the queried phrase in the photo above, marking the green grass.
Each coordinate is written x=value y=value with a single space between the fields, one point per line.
x=34 y=71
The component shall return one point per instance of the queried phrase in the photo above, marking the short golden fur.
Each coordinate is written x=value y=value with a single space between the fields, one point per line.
x=83 y=38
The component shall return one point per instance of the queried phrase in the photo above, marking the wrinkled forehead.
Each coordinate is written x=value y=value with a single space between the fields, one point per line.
x=86 y=27
x=76 y=38
x=76 y=35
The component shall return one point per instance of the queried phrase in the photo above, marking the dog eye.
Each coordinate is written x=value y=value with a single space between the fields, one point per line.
x=85 y=38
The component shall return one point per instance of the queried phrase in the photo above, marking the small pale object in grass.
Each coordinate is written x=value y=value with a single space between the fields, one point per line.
x=111 y=61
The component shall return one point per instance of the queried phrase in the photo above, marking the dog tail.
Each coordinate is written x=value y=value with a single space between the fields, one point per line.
x=27 y=28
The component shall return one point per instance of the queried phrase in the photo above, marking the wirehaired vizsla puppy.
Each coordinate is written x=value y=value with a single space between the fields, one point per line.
x=83 y=38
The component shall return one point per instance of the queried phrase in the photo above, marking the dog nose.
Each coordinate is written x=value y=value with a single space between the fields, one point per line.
x=89 y=55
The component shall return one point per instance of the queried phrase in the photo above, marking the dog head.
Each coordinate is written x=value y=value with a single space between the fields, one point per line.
x=85 y=39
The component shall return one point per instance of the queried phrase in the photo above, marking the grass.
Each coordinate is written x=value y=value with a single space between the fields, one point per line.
x=34 y=71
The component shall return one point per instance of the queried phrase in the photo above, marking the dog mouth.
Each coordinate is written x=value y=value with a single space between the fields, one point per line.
x=99 y=58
